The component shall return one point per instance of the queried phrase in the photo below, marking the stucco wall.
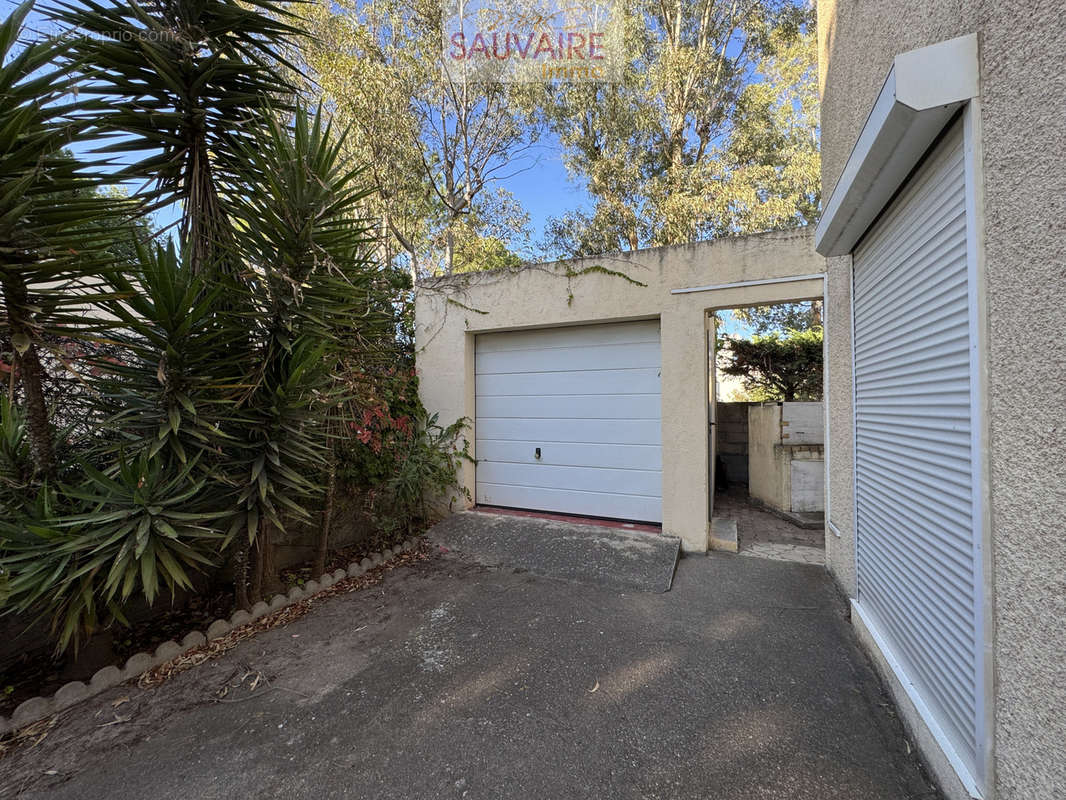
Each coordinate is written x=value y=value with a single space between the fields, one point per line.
x=1023 y=127
x=731 y=429
x=785 y=456
x=840 y=510
x=451 y=311
x=768 y=463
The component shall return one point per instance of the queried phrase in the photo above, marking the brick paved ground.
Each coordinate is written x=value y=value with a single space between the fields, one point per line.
x=760 y=533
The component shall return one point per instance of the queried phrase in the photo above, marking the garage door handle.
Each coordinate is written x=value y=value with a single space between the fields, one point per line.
x=536 y=454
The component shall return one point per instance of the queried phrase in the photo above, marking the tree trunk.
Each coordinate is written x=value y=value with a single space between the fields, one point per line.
x=38 y=424
x=265 y=573
x=30 y=372
x=240 y=575
x=327 y=521
x=256 y=593
x=816 y=314
x=271 y=582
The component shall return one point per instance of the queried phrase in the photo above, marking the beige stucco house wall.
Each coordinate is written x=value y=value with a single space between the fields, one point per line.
x=1021 y=114
x=451 y=311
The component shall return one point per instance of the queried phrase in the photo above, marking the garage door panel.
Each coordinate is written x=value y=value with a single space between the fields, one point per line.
x=568 y=501
x=547 y=338
x=644 y=380
x=587 y=479
x=593 y=431
x=627 y=456
x=610 y=406
x=589 y=398
x=571 y=359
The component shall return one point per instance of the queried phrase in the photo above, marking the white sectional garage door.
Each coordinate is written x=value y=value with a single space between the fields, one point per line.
x=568 y=420
x=918 y=516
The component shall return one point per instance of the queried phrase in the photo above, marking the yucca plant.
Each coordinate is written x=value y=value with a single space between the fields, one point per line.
x=170 y=383
x=52 y=255
x=274 y=462
x=134 y=531
x=137 y=513
x=297 y=212
x=16 y=462
x=184 y=82
x=298 y=226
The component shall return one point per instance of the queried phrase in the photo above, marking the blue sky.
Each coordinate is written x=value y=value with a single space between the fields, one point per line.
x=546 y=190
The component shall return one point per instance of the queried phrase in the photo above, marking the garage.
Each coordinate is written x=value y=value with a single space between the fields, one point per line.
x=568 y=420
x=918 y=515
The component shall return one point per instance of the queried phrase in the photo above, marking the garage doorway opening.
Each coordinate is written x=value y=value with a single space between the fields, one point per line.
x=766 y=429
x=568 y=421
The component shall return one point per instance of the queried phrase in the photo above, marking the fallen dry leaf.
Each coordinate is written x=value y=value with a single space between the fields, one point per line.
x=116 y=721
x=217 y=647
x=594 y=688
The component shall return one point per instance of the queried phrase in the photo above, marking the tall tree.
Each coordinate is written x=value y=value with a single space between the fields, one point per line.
x=776 y=366
x=781 y=317
x=437 y=143
x=772 y=160
x=709 y=132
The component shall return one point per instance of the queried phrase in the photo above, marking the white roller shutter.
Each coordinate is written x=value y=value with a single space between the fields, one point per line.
x=917 y=519
x=589 y=399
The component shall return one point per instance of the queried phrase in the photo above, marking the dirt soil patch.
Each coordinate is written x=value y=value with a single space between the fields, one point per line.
x=41 y=673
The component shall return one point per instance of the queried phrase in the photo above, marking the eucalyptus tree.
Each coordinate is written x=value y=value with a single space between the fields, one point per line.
x=438 y=144
x=675 y=150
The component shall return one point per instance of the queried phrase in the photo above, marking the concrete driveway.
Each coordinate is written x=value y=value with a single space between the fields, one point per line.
x=456 y=680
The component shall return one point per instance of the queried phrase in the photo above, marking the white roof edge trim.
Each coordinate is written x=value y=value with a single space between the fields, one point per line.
x=923 y=90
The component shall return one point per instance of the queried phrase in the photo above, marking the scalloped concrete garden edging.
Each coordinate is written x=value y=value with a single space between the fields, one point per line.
x=36 y=708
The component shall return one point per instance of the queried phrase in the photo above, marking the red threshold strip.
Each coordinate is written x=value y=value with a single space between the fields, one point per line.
x=603 y=523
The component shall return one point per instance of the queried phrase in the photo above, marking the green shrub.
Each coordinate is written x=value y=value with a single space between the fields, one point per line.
x=426 y=469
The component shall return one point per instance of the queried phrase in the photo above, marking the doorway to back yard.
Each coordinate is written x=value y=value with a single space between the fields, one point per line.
x=767 y=431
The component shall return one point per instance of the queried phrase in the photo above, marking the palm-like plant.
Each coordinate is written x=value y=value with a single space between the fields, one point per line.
x=297 y=223
x=143 y=527
x=51 y=254
x=16 y=462
x=226 y=372
x=184 y=82
x=154 y=507
x=297 y=209
x=168 y=386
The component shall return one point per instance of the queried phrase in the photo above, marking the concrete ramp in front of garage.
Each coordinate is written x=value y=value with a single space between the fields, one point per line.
x=609 y=557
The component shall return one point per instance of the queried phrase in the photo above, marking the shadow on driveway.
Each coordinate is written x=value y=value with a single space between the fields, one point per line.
x=457 y=680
